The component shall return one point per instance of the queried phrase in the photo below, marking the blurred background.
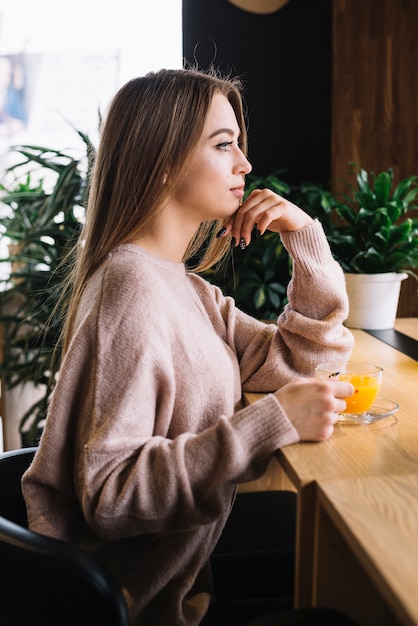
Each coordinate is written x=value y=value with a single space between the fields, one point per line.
x=63 y=62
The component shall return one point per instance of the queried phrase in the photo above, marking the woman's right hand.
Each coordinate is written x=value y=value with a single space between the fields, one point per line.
x=312 y=405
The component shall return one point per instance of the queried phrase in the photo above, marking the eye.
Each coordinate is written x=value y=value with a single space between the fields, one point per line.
x=224 y=145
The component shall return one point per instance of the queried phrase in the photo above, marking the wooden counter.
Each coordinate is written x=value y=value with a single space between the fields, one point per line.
x=366 y=548
x=408 y=326
x=388 y=447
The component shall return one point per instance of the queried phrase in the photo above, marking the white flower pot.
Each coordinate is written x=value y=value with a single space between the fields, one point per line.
x=373 y=299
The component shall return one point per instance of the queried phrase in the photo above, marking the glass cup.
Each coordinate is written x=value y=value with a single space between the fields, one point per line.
x=366 y=380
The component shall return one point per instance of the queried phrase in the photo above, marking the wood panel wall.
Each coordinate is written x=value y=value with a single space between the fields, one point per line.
x=375 y=95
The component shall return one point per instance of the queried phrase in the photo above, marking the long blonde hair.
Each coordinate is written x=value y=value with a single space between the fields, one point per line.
x=152 y=127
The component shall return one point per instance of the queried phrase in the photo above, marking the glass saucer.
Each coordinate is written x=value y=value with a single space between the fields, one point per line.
x=381 y=408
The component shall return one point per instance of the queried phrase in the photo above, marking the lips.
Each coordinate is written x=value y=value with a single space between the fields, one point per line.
x=238 y=191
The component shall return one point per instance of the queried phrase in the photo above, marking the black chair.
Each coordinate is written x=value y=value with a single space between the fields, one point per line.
x=42 y=580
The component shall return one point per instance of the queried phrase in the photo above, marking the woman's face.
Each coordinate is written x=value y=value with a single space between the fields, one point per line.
x=214 y=185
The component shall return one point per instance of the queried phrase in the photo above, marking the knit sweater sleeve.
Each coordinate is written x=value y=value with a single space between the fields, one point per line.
x=156 y=484
x=309 y=331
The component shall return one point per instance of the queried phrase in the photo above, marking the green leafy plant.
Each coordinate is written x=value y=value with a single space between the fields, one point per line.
x=42 y=200
x=372 y=227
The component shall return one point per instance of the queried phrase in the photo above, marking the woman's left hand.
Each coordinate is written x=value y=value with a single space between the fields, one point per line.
x=265 y=210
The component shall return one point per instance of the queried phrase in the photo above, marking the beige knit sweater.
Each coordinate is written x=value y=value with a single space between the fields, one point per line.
x=146 y=437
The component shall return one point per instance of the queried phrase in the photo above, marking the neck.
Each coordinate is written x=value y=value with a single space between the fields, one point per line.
x=168 y=238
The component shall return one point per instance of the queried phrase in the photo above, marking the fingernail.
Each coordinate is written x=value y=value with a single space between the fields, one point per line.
x=242 y=243
x=233 y=242
x=221 y=232
x=257 y=233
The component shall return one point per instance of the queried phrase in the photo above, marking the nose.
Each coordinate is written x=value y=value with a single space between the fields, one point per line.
x=244 y=166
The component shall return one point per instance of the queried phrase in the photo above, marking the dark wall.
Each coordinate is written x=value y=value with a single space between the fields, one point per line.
x=284 y=60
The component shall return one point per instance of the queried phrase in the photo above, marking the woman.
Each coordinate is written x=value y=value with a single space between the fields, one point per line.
x=146 y=437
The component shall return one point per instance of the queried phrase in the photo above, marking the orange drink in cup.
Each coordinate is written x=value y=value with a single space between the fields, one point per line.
x=366 y=380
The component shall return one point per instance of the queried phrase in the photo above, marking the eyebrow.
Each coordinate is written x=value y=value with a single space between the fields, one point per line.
x=228 y=131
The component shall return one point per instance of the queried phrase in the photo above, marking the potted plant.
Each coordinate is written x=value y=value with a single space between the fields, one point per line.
x=372 y=228
x=42 y=199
